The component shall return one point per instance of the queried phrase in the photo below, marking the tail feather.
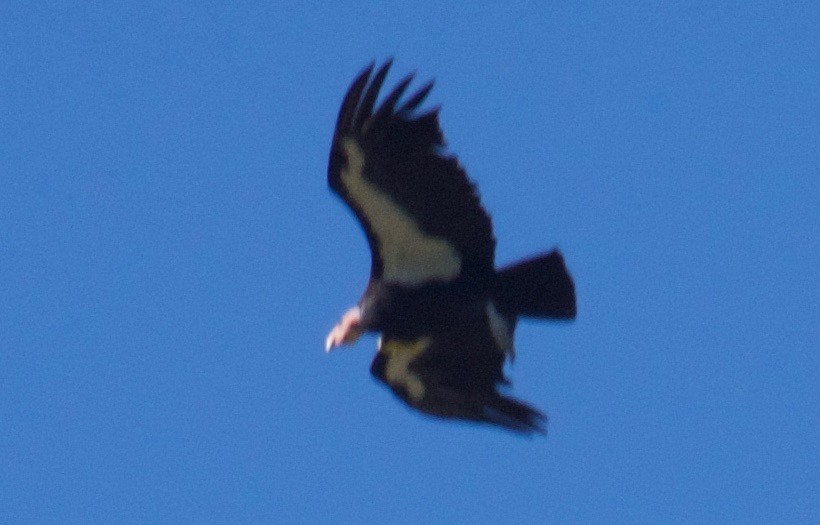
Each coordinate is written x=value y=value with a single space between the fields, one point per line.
x=537 y=287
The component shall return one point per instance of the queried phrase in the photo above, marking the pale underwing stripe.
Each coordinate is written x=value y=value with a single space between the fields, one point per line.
x=409 y=256
x=397 y=369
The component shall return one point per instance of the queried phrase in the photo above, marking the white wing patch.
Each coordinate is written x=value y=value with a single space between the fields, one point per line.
x=501 y=330
x=410 y=256
x=397 y=369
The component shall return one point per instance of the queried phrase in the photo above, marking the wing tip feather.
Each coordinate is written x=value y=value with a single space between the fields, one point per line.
x=358 y=104
x=351 y=100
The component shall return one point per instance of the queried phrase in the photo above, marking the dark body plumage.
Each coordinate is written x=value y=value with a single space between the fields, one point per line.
x=445 y=315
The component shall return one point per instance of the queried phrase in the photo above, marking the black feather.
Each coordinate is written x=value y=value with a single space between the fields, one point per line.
x=370 y=96
x=351 y=101
x=414 y=101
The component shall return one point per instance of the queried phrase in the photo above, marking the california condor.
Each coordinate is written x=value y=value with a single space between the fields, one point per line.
x=445 y=314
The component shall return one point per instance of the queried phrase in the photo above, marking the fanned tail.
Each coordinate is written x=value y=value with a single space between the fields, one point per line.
x=537 y=287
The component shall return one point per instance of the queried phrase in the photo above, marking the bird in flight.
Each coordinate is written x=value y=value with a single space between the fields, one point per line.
x=445 y=314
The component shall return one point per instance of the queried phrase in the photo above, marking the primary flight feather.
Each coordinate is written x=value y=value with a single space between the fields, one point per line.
x=445 y=314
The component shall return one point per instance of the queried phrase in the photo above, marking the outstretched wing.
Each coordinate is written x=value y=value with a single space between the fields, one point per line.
x=454 y=375
x=421 y=215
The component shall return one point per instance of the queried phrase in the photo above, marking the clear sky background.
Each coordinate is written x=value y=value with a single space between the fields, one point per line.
x=171 y=260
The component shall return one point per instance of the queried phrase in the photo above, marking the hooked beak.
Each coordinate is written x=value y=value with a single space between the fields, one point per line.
x=347 y=331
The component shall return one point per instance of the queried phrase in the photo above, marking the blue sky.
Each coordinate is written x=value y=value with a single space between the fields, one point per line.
x=171 y=260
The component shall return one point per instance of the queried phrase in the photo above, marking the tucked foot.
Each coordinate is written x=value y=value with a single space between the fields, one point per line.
x=347 y=331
